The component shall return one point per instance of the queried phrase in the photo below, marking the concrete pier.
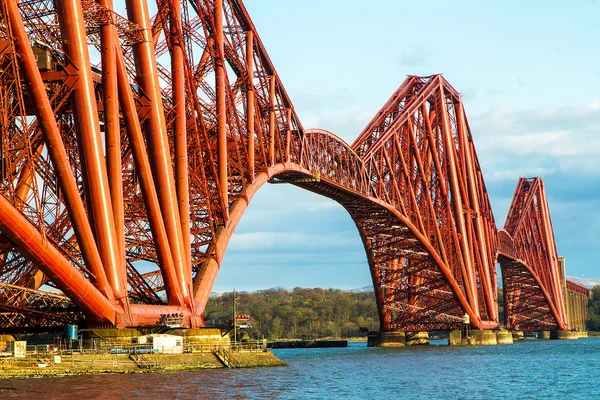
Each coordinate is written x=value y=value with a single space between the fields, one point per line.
x=397 y=339
x=518 y=335
x=503 y=336
x=543 y=335
x=480 y=337
x=558 y=334
x=417 y=338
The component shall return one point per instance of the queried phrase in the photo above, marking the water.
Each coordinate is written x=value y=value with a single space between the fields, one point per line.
x=525 y=370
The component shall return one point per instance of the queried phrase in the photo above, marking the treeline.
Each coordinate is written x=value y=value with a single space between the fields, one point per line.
x=314 y=313
x=299 y=313
x=593 y=322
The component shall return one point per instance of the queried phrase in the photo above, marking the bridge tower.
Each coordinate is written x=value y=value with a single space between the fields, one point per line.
x=537 y=295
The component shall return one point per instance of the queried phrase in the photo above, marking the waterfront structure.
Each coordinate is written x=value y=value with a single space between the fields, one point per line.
x=155 y=156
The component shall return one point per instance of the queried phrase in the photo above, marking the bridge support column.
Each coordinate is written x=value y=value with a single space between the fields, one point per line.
x=504 y=336
x=397 y=339
x=480 y=337
x=559 y=334
x=544 y=335
x=518 y=335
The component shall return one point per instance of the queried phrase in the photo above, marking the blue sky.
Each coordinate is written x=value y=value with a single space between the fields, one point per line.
x=529 y=73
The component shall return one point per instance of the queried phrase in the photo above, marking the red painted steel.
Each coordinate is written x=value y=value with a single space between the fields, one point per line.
x=89 y=141
x=194 y=120
x=578 y=288
x=533 y=290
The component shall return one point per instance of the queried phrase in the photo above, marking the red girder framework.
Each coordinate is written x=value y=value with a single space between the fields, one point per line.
x=419 y=157
x=534 y=299
x=22 y=308
x=121 y=184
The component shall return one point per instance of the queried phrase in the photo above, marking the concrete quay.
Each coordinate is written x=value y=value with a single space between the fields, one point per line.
x=116 y=351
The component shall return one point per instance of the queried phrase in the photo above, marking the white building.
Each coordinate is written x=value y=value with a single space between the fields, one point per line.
x=161 y=343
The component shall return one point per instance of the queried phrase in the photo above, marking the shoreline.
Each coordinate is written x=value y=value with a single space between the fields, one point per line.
x=84 y=364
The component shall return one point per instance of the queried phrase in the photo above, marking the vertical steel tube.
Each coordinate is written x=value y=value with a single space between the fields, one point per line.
x=250 y=101
x=21 y=193
x=158 y=143
x=56 y=149
x=552 y=257
x=180 y=133
x=151 y=201
x=288 y=133
x=272 y=120
x=112 y=133
x=456 y=200
x=26 y=179
x=87 y=125
x=221 y=100
x=479 y=231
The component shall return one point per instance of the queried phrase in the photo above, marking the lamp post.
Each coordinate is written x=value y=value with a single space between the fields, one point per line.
x=235 y=299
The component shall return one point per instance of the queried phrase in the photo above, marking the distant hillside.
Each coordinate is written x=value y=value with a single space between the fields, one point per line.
x=299 y=313
x=311 y=313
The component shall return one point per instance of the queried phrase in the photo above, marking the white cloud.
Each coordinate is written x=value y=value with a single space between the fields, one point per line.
x=291 y=240
x=594 y=104
x=540 y=141
x=514 y=173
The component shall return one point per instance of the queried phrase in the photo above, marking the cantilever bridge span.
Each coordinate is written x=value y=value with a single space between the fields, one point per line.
x=151 y=158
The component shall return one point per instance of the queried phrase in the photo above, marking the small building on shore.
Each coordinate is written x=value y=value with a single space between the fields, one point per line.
x=161 y=343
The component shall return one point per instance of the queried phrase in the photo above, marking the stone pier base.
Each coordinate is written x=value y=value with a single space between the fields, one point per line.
x=504 y=337
x=544 y=335
x=397 y=339
x=518 y=335
x=558 y=334
x=417 y=338
x=477 y=337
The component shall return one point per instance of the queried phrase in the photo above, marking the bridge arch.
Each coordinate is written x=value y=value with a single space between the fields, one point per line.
x=534 y=294
x=414 y=289
x=527 y=304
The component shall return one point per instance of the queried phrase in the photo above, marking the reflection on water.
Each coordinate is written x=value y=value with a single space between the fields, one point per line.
x=530 y=369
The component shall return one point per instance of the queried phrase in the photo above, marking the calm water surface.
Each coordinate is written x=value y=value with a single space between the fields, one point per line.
x=525 y=370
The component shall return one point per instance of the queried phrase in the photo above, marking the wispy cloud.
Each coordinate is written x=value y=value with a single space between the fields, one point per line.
x=562 y=146
x=542 y=141
x=261 y=241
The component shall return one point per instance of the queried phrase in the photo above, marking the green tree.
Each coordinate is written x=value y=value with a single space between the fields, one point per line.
x=299 y=313
x=275 y=332
x=593 y=322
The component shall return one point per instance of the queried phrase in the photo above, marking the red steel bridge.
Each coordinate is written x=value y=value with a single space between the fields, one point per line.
x=122 y=184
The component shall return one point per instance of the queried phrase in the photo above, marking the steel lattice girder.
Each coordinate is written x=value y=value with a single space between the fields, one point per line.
x=180 y=125
x=527 y=240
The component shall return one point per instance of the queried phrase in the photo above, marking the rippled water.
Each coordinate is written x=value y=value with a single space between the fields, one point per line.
x=525 y=370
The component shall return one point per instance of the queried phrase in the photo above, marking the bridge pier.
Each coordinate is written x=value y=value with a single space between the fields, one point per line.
x=480 y=337
x=559 y=334
x=543 y=335
x=504 y=336
x=397 y=339
x=518 y=335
